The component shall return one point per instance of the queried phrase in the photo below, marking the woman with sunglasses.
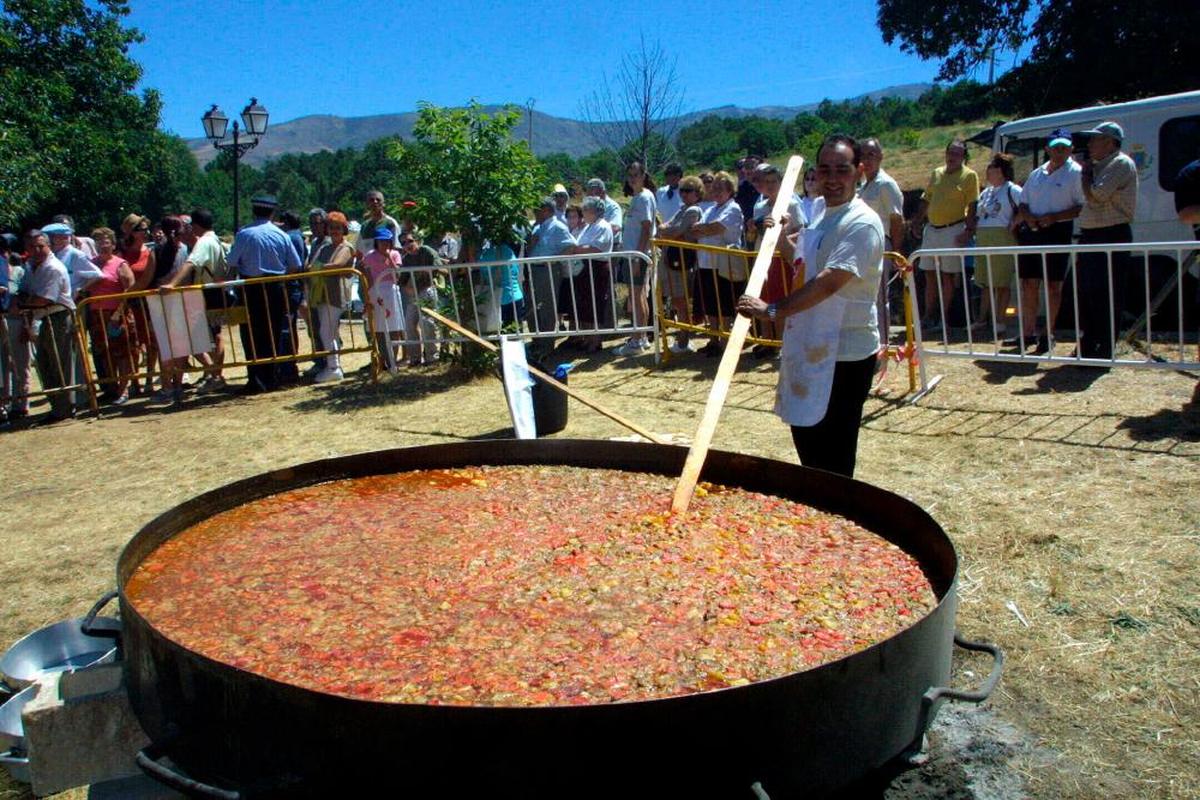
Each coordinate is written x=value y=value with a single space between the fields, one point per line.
x=135 y=230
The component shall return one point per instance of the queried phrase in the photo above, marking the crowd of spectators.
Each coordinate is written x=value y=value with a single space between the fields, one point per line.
x=573 y=289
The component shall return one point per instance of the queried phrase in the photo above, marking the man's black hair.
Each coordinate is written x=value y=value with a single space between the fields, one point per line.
x=834 y=139
x=203 y=218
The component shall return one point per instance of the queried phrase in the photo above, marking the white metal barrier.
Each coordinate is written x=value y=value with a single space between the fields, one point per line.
x=577 y=296
x=1099 y=280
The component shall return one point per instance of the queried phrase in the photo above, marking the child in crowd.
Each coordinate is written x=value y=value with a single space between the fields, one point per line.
x=387 y=321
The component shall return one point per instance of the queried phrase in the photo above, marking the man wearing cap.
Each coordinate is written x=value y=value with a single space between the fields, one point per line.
x=261 y=249
x=46 y=298
x=1050 y=201
x=550 y=237
x=561 y=198
x=1110 y=186
x=84 y=243
x=946 y=219
x=80 y=271
x=667 y=196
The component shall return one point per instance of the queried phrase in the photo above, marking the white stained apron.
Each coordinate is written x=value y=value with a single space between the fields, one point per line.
x=810 y=348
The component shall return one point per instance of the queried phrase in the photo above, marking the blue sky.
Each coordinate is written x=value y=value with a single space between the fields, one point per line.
x=376 y=57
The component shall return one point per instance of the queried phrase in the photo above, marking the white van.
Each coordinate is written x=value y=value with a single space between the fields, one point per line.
x=1162 y=135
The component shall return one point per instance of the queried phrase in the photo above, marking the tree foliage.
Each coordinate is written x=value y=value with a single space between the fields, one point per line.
x=1083 y=50
x=75 y=137
x=466 y=173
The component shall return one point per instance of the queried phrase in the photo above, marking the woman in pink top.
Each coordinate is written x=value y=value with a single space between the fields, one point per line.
x=110 y=322
x=387 y=318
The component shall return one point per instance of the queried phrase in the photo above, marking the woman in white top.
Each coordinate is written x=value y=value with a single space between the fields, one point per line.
x=715 y=294
x=638 y=231
x=998 y=213
x=591 y=289
x=812 y=203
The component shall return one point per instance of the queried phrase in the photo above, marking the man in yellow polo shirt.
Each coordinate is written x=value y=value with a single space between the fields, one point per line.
x=947 y=214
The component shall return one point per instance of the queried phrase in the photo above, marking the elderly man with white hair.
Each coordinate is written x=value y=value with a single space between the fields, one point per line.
x=613 y=214
x=46 y=299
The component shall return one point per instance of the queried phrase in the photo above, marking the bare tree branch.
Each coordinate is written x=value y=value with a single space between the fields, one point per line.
x=641 y=102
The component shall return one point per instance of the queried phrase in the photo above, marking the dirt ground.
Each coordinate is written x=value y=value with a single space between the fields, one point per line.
x=1071 y=495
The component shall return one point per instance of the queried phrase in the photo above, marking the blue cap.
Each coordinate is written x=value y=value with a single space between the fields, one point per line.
x=1060 y=137
x=57 y=229
x=383 y=233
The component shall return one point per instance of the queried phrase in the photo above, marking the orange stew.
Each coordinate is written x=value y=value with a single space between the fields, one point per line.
x=525 y=585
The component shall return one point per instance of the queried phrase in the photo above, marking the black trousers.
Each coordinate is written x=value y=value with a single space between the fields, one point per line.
x=832 y=444
x=266 y=310
x=1095 y=324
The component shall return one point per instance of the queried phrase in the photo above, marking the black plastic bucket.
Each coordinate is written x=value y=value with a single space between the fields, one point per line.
x=549 y=403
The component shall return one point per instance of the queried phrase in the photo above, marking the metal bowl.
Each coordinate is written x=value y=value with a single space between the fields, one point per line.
x=12 y=734
x=61 y=647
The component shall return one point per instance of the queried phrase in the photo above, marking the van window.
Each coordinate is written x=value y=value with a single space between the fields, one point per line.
x=1027 y=154
x=1178 y=146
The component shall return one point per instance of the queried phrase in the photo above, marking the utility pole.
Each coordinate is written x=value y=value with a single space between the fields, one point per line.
x=529 y=113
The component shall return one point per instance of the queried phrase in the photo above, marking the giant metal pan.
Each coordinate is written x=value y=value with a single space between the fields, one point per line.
x=807 y=733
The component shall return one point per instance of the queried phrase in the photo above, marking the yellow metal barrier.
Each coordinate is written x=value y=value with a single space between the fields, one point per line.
x=705 y=293
x=21 y=331
x=123 y=342
x=679 y=273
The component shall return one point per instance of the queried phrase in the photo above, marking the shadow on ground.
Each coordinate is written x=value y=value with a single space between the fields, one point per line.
x=1165 y=424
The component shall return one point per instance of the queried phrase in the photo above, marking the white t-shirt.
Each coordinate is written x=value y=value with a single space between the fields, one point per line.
x=814 y=209
x=998 y=204
x=1051 y=192
x=851 y=239
x=883 y=195
x=641 y=209
x=598 y=235
x=729 y=214
x=795 y=213
x=668 y=207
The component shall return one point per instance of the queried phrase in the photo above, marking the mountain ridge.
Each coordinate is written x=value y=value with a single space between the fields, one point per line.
x=314 y=133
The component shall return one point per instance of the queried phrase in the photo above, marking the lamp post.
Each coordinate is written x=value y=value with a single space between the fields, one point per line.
x=254 y=117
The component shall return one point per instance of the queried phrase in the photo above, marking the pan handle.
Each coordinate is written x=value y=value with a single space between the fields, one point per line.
x=932 y=699
x=147 y=761
x=107 y=630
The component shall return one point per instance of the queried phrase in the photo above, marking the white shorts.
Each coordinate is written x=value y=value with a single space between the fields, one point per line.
x=937 y=238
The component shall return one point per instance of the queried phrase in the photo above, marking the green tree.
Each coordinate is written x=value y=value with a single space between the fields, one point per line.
x=1082 y=50
x=707 y=143
x=75 y=136
x=468 y=174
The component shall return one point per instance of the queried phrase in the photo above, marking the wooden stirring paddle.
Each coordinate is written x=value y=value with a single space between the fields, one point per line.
x=733 y=348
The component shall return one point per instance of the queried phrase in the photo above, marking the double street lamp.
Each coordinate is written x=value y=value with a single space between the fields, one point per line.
x=254 y=117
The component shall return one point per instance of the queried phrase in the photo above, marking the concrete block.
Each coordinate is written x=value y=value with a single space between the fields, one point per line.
x=86 y=682
x=90 y=739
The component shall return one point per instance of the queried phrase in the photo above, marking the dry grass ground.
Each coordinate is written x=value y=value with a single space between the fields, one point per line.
x=1072 y=500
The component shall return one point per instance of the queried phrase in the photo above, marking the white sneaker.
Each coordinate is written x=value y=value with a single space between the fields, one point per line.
x=328 y=375
x=634 y=347
x=680 y=348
